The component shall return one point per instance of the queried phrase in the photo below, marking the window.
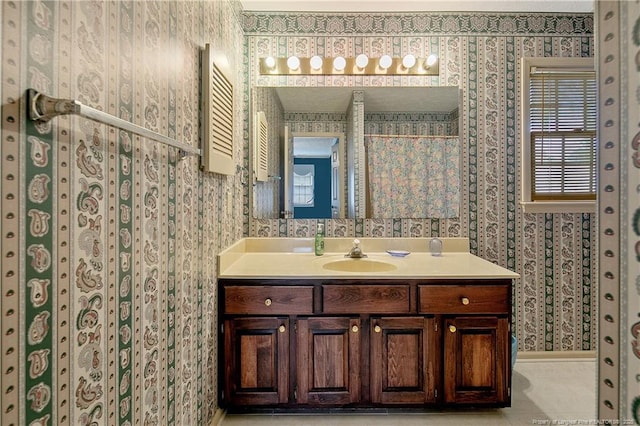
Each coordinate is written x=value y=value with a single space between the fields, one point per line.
x=303 y=188
x=559 y=134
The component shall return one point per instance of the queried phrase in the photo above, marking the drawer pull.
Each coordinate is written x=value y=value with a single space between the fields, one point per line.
x=452 y=328
x=281 y=329
x=267 y=302
x=354 y=328
x=465 y=300
x=377 y=329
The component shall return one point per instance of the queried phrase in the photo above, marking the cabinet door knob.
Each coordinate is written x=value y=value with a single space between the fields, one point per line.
x=465 y=300
x=452 y=328
x=377 y=329
x=282 y=328
x=354 y=328
x=267 y=302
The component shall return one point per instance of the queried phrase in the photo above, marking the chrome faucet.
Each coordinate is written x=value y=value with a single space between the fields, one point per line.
x=356 y=251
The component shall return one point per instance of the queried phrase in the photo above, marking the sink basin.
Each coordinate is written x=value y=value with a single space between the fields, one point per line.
x=359 y=265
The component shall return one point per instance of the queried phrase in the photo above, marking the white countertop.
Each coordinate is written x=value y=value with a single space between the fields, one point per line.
x=294 y=258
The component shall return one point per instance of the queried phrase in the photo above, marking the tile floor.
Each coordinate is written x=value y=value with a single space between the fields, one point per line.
x=544 y=391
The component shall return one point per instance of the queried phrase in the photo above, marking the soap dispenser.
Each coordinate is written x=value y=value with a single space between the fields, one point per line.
x=319 y=240
x=435 y=246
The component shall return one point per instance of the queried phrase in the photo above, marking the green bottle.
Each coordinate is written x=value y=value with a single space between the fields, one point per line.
x=319 y=242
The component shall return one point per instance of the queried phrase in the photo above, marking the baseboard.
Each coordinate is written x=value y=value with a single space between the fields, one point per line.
x=218 y=416
x=556 y=356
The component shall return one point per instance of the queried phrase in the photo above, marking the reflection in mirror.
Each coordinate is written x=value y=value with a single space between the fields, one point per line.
x=305 y=123
x=317 y=176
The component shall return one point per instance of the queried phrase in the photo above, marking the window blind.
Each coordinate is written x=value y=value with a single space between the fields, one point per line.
x=303 y=185
x=563 y=134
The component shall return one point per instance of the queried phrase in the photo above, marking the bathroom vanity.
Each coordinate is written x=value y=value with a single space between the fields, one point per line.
x=299 y=331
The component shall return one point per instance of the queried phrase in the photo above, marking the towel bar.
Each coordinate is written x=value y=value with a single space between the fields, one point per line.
x=44 y=108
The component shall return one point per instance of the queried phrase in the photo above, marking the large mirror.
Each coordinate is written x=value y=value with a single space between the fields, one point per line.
x=318 y=149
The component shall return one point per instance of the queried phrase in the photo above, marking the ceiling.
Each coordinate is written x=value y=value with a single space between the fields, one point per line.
x=376 y=99
x=572 y=6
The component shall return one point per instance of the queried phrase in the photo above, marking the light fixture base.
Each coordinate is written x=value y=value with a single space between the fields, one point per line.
x=372 y=68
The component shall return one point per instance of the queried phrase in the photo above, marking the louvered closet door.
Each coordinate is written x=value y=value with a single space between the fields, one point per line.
x=217 y=152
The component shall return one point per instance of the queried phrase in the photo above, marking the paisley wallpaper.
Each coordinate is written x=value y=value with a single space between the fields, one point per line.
x=109 y=239
x=619 y=211
x=555 y=299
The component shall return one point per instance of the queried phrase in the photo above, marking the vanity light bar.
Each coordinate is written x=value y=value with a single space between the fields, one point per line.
x=385 y=65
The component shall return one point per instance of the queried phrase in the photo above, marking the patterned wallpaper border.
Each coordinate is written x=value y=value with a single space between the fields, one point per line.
x=388 y=24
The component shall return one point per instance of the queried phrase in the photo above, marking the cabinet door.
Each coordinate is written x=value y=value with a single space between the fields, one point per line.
x=257 y=361
x=476 y=360
x=403 y=360
x=328 y=361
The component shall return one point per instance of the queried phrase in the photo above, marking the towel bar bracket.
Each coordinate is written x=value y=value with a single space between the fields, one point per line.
x=44 y=108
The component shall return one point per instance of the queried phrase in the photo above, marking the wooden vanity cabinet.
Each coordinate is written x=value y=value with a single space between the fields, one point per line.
x=404 y=360
x=256 y=355
x=364 y=343
x=476 y=366
x=475 y=318
x=328 y=361
x=256 y=370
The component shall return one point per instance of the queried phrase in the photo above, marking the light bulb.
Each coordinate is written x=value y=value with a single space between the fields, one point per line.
x=316 y=62
x=431 y=60
x=293 y=63
x=385 y=61
x=408 y=61
x=362 y=60
x=339 y=63
x=270 y=62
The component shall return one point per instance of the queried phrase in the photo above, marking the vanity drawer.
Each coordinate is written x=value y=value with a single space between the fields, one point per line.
x=260 y=300
x=363 y=299
x=454 y=299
